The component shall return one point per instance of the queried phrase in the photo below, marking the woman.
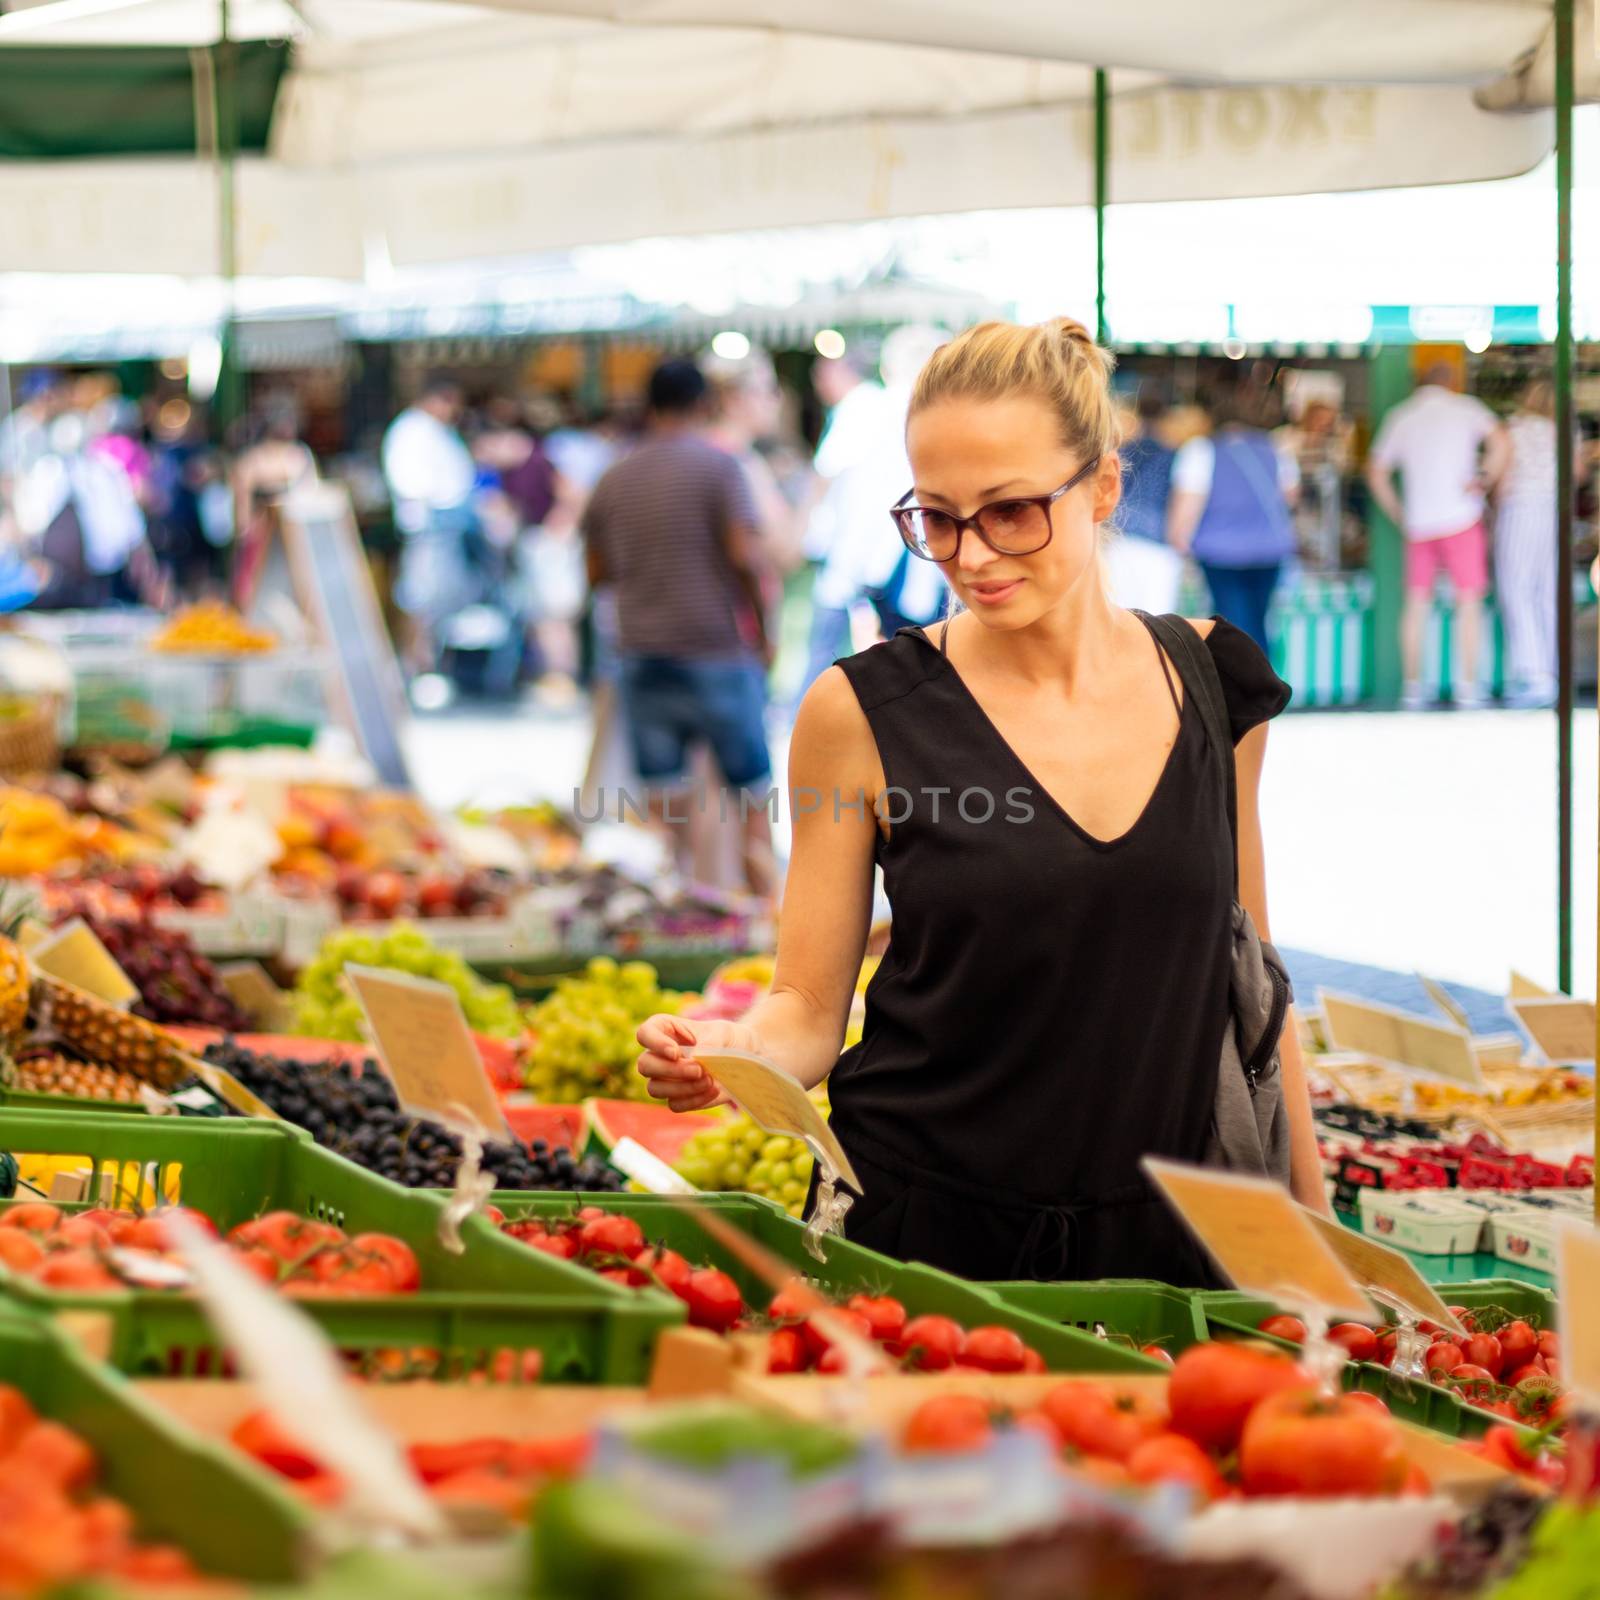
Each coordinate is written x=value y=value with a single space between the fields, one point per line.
x=1231 y=497
x=1053 y=997
x=1525 y=547
x=263 y=478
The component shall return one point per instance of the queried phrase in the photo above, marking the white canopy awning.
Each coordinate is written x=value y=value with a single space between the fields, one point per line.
x=429 y=130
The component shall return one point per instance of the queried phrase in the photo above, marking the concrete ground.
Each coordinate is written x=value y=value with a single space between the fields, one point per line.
x=1401 y=840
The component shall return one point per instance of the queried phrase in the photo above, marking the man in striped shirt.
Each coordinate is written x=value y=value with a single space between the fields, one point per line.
x=673 y=527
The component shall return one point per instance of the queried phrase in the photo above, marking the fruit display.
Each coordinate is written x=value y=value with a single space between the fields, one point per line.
x=324 y=1008
x=583 y=1043
x=49 y=1072
x=58 y=1527
x=127 y=892
x=498 y=1474
x=658 y=1128
x=175 y=982
x=326 y=828
x=210 y=627
x=351 y=1109
x=38 y=834
x=613 y=911
x=738 y=984
x=383 y=894
x=95 y=1030
x=103 y=1249
x=737 y=1154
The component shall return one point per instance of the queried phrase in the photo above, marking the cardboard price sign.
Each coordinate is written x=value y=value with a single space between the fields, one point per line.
x=1260 y=1237
x=1522 y=987
x=76 y=956
x=1445 y=1001
x=1563 y=1029
x=251 y=988
x=1578 y=1286
x=1380 y=1267
x=776 y=1102
x=1398 y=1039
x=424 y=1045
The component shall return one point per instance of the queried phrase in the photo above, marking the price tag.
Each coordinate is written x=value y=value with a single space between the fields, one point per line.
x=1562 y=1028
x=227 y=1088
x=774 y=1101
x=1446 y=1002
x=628 y=1156
x=1378 y=1266
x=251 y=988
x=1577 y=1244
x=1397 y=1039
x=74 y=955
x=1260 y=1237
x=1523 y=987
x=423 y=1043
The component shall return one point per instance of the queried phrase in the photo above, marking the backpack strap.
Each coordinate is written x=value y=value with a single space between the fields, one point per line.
x=1200 y=680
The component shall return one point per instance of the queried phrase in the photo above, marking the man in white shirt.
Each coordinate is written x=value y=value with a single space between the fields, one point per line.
x=431 y=474
x=1434 y=440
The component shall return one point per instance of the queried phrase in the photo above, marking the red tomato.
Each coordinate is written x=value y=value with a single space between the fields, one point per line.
x=259 y=1435
x=396 y=1254
x=819 y=1342
x=992 y=1350
x=930 y=1343
x=291 y=1238
x=786 y=1351
x=20 y=1250
x=611 y=1236
x=591 y=1213
x=949 y=1422
x=1386 y=1346
x=1171 y=1458
x=618 y=1275
x=47 y=1453
x=1157 y=1352
x=1361 y=1343
x=1214 y=1386
x=1301 y=1442
x=83 y=1231
x=495 y=1215
x=1371 y=1401
x=75 y=1269
x=670 y=1271
x=1100 y=1422
x=262 y=1263
x=1550 y=1344
x=150 y=1231
x=33 y=1216
x=1032 y=1361
x=1464 y=1317
x=1283 y=1327
x=789 y=1305
x=1537 y=1368
x=1483 y=1350
x=885 y=1315
x=1504 y=1446
x=348 y=1271
x=561 y=1245
x=1475 y=1383
x=1518 y=1344
x=1443 y=1356
x=713 y=1299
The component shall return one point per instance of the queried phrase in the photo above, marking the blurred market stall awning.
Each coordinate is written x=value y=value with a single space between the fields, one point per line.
x=417 y=131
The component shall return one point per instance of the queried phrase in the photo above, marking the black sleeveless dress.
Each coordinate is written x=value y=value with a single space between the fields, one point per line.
x=1051 y=1005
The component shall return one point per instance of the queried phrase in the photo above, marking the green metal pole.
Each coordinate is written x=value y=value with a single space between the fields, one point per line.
x=229 y=399
x=1566 y=446
x=1102 y=151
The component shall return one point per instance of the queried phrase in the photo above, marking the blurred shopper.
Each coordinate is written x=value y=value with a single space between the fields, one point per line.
x=265 y=474
x=431 y=477
x=674 y=527
x=25 y=430
x=1434 y=440
x=1143 y=568
x=1319 y=445
x=1525 y=545
x=1231 y=498
x=862 y=458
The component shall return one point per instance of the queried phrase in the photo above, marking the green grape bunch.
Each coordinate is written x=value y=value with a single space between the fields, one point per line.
x=736 y=1154
x=584 y=1043
x=325 y=1009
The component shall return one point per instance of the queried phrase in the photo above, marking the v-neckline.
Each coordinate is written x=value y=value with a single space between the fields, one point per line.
x=1036 y=787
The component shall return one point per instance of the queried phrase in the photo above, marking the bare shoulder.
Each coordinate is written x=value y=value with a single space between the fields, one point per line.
x=830 y=728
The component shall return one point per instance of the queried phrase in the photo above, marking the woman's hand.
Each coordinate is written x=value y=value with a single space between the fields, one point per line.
x=668 y=1063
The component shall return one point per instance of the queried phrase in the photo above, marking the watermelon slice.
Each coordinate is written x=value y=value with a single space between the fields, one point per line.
x=561 y=1127
x=661 y=1130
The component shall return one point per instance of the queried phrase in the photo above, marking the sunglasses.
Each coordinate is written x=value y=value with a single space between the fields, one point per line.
x=1016 y=526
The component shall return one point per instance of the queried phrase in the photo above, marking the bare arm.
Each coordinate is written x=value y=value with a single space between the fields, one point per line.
x=1496 y=458
x=742 y=542
x=1305 y=1163
x=1380 y=480
x=827 y=903
x=1184 y=508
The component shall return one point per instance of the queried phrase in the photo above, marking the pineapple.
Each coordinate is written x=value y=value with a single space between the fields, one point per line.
x=116 y=1038
x=16 y=979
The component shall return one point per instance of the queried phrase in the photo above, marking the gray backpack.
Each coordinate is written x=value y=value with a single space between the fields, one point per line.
x=1250 y=1127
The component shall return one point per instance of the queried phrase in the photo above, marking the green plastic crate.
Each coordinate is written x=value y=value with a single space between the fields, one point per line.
x=231 y=1519
x=32 y=1100
x=1126 y=1311
x=849 y=1268
x=497 y=1295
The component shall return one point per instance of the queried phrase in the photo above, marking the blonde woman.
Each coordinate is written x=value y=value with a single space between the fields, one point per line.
x=1050 y=819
